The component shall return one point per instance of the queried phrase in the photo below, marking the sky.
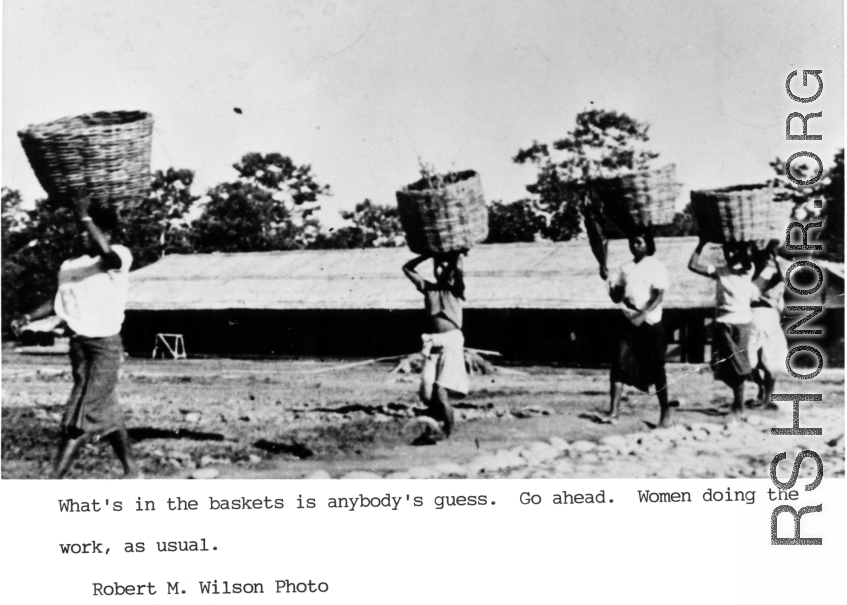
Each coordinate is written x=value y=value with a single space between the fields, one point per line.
x=361 y=90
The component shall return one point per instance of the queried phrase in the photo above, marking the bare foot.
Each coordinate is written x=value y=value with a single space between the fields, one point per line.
x=606 y=419
x=423 y=430
x=442 y=412
x=664 y=424
x=133 y=472
x=737 y=414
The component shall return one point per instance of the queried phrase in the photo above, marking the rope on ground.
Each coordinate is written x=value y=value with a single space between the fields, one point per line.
x=484 y=352
x=354 y=364
x=407 y=356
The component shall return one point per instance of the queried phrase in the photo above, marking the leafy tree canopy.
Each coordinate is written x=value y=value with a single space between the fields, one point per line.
x=157 y=225
x=372 y=225
x=13 y=217
x=829 y=190
x=279 y=174
x=35 y=244
x=515 y=222
x=268 y=207
x=603 y=144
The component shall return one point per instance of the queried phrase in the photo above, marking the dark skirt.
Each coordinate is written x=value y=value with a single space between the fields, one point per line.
x=730 y=358
x=639 y=358
x=92 y=408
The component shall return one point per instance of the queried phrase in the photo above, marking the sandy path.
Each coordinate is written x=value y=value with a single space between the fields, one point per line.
x=279 y=419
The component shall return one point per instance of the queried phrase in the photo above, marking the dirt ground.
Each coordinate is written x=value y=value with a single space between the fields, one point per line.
x=308 y=418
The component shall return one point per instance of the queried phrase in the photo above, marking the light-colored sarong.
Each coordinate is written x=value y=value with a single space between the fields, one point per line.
x=444 y=363
x=767 y=340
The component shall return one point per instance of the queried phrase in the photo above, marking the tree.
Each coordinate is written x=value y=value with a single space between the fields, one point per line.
x=156 y=226
x=602 y=145
x=372 y=226
x=515 y=222
x=682 y=225
x=14 y=243
x=833 y=210
x=829 y=190
x=269 y=207
x=13 y=217
x=35 y=244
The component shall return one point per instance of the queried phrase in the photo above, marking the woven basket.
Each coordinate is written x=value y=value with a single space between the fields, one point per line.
x=105 y=154
x=738 y=214
x=639 y=199
x=444 y=218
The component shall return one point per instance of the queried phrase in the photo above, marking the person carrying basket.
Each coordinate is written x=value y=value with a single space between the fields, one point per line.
x=639 y=355
x=735 y=292
x=444 y=372
x=91 y=299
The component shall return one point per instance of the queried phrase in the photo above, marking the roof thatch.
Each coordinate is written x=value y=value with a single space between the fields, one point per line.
x=499 y=276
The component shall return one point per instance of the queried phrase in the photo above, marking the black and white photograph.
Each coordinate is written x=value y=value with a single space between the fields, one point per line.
x=271 y=239
x=261 y=256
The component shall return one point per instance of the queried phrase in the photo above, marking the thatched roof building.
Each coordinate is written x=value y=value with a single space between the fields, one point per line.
x=525 y=298
x=500 y=276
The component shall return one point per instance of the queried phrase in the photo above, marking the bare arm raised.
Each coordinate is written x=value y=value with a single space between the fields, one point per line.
x=413 y=275
x=598 y=241
x=111 y=260
x=696 y=265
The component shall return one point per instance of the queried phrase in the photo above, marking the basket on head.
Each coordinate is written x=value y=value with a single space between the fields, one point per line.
x=638 y=199
x=443 y=214
x=738 y=214
x=105 y=154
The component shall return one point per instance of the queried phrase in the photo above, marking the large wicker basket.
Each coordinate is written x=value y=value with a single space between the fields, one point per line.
x=448 y=216
x=738 y=214
x=105 y=154
x=639 y=199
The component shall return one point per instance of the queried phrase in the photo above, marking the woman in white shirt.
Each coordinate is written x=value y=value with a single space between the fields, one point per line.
x=733 y=324
x=91 y=299
x=639 y=358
